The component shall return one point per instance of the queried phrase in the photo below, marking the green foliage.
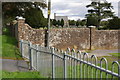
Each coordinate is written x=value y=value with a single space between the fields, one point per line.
x=115 y=54
x=8 y=45
x=6 y=74
x=58 y=22
x=9 y=49
x=54 y=22
x=72 y=22
x=114 y=23
x=35 y=20
x=100 y=11
x=83 y=22
x=13 y=9
x=92 y=21
x=77 y=23
x=62 y=22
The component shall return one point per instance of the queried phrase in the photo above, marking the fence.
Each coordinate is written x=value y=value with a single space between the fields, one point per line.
x=54 y=63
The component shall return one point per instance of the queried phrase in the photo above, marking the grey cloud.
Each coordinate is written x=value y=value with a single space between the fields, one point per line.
x=77 y=10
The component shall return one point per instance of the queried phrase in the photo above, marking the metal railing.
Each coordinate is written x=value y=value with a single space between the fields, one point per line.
x=54 y=63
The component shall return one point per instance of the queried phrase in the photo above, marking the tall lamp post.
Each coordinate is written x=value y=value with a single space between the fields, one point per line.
x=48 y=27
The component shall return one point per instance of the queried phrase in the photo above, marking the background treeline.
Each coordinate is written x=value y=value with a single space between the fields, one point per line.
x=33 y=14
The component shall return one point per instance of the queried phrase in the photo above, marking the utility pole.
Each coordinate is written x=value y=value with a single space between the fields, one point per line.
x=48 y=27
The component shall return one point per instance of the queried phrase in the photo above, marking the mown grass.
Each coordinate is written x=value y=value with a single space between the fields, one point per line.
x=6 y=74
x=9 y=46
x=0 y=46
x=115 y=54
x=87 y=71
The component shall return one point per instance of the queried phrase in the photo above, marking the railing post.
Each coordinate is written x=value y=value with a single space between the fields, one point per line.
x=21 y=47
x=37 y=56
x=53 y=65
x=30 y=56
x=65 y=66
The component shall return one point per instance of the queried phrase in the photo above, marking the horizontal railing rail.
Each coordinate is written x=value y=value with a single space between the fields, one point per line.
x=54 y=63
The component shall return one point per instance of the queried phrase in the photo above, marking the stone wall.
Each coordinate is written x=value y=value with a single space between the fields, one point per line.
x=78 y=38
x=105 y=39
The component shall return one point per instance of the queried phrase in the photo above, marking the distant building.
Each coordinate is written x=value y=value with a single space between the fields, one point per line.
x=119 y=9
x=65 y=18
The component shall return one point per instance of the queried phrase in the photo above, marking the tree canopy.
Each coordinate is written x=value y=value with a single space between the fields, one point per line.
x=99 y=11
x=62 y=22
x=13 y=9
x=114 y=23
x=35 y=18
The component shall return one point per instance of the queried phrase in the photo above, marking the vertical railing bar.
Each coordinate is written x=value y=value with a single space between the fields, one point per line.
x=87 y=71
x=37 y=56
x=96 y=74
x=81 y=70
x=71 y=65
x=65 y=66
x=74 y=65
x=21 y=47
x=70 y=68
x=92 y=72
x=78 y=66
x=79 y=57
x=81 y=67
x=93 y=56
x=30 y=56
x=84 y=71
x=113 y=69
x=101 y=66
x=106 y=70
x=68 y=52
x=85 y=54
x=53 y=65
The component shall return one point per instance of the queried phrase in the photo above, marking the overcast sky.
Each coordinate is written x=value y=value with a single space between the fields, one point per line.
x=74 y=9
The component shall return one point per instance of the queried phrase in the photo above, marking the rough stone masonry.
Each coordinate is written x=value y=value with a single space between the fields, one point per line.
x=78 y=38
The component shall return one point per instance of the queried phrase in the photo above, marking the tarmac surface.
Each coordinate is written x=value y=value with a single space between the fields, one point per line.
x=14 y=65
x=99 y=53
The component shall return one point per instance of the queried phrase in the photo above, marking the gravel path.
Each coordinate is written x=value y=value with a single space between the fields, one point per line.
x=99 y=53
x=14 y=65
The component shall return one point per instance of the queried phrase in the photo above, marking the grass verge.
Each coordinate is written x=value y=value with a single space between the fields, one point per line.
x=115 y=54
x=9 y=49
x=9 y=43
x=6 y=74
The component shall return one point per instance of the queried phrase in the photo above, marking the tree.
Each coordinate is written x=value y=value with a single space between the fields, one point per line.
x=72 y=22
x=13 y=9
x=100 y=11
x=54 y=22
x=35 y=20
x=91 y=21
x=114 y=23
x=77 y=23
x=62 y=22
x=83 y=22
x=58 y=23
